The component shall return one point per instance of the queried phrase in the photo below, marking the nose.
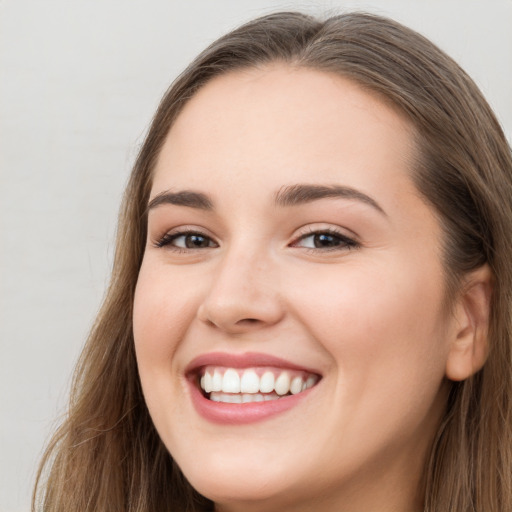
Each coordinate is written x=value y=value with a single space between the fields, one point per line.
x=243 y=295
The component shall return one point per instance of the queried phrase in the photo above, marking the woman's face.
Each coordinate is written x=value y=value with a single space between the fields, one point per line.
x=288 y=247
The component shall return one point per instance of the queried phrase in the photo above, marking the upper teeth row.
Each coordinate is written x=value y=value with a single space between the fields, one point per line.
x=247 y=381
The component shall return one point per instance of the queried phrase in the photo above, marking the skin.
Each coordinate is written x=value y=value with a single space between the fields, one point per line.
x=369 y=319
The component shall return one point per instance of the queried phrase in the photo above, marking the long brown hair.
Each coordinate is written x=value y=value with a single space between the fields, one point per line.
x=107 y=456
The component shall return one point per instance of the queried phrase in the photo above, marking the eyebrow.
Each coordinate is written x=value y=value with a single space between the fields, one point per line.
x=183 y=198
x=292 y=195
x=300 y=194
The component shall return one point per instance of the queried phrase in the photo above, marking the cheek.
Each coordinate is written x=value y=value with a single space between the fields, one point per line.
x=161 y=310
x=384 y=333
x=382 y=322
x=161 y=315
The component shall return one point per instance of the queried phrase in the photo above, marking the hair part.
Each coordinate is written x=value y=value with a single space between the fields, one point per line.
x=107 y=454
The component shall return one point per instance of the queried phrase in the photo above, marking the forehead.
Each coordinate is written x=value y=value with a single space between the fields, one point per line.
x=282 y=123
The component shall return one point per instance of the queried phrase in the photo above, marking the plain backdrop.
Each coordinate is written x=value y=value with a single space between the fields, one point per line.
x=79 y=82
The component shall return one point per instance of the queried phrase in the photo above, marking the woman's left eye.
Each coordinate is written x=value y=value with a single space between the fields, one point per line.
x=326 y=240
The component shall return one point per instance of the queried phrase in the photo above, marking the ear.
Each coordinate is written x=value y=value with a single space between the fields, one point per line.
x=469 y=344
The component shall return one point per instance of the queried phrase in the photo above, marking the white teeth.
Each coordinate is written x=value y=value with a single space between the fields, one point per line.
x=217 y=381
x=229 y=398
x=235 y=398
x=267 y=382
x=231 y=381
x=240 y=386
x=310 y=382
x=282 y=384
x=296 y=385
x=207 y=382
x=250 y=382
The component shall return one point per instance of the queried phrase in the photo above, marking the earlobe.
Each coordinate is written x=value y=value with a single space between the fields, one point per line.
x=469 y=345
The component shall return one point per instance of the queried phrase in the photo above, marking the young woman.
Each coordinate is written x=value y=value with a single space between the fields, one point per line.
x=310 y=303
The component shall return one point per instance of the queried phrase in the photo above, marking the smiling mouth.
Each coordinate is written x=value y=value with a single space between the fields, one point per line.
x=247 y=385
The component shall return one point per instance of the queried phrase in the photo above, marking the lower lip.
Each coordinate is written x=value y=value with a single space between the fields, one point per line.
x=239 y=414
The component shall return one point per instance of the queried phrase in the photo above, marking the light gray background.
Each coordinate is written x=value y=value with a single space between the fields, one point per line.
x=79 y=83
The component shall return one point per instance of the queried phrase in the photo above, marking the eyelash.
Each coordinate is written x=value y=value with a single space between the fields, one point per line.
x=168 y=238
x=344 y=242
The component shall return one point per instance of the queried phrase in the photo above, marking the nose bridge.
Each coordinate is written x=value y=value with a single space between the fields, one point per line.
x=243 y=293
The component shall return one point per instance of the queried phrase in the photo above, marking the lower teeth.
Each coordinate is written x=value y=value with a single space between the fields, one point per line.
x=242 y=398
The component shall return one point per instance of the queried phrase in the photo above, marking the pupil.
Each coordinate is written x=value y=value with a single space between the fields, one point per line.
x=195 y=241
x=325 y=240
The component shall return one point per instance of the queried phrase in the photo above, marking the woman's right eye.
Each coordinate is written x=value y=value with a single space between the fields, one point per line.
x=186 y=241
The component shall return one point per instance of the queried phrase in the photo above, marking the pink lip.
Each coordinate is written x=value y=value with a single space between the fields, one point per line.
x=247 y=360
x=239 y=414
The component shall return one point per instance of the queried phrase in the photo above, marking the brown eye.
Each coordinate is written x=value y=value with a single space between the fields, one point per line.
x=193 y=241
x=186 y=240
x=325 y=240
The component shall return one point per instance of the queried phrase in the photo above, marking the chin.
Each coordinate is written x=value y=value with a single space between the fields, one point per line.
x=240 y=485
x=237 y=489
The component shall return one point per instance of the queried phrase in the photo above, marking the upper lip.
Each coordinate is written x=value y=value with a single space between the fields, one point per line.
x=245 y=360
